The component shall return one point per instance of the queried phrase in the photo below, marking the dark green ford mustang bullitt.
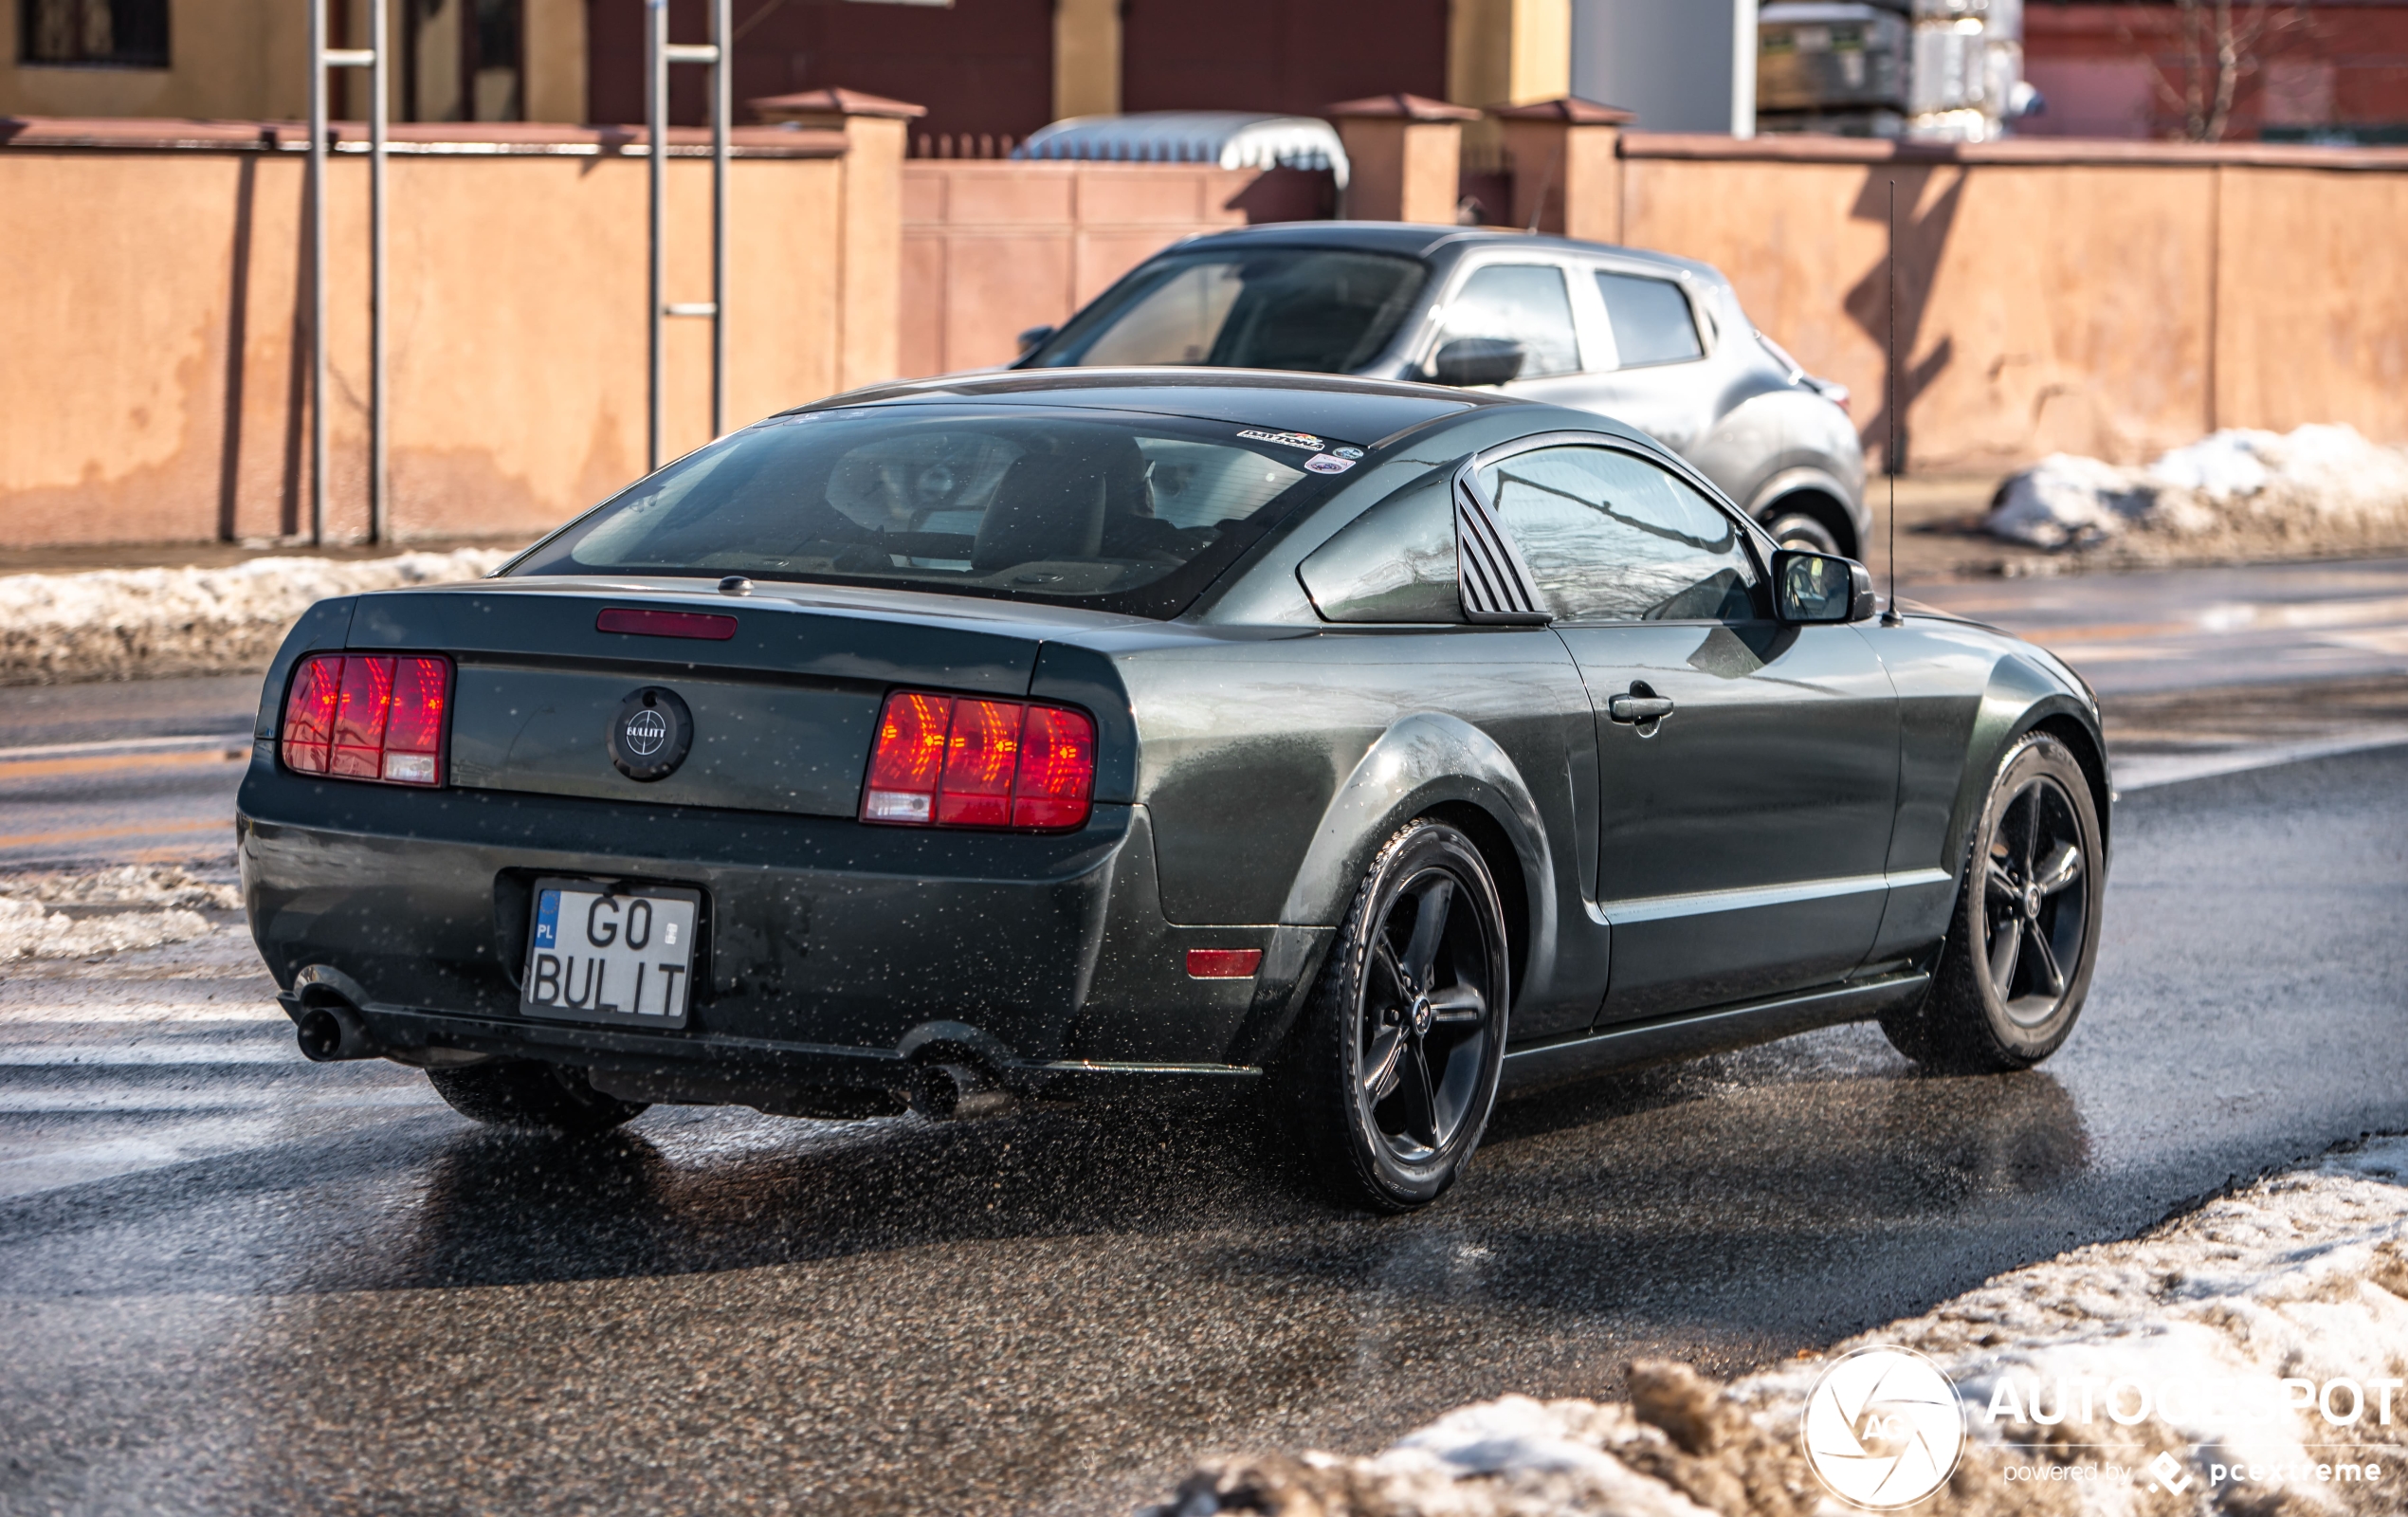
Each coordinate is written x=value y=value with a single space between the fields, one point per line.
x=1360 y=748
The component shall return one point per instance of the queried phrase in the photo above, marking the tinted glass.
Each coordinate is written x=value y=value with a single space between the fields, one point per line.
x=1110 y=510
x=1280 y=308
x=1652 y=320
x=1393 y=563
x=1518 y=302
x=1610 y=537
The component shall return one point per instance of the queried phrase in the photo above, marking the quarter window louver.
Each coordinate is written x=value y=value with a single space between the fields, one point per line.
x=1496 y=585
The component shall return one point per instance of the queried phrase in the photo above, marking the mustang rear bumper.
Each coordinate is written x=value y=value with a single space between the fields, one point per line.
x=831 y=954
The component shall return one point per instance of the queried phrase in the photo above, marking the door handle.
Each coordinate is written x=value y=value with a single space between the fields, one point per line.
x=1643 y=709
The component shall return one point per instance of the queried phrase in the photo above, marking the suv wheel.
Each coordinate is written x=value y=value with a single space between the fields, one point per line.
x=1794 y=528
x=1395 y=1067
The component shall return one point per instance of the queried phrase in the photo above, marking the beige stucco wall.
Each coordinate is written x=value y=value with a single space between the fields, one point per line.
x=2085 y=304
x=993 y=248
x=159 y=371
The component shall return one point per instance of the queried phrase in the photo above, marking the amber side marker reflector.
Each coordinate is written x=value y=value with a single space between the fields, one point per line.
x=1223 y=964
x=667 y=623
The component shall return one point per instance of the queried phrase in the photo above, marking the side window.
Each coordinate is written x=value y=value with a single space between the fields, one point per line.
x=1652 y=323
x=1610 y=537
x=1520 y=302
x=1393 y=563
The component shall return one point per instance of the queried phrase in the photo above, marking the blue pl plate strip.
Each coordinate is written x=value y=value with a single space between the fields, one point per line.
x=547 y=921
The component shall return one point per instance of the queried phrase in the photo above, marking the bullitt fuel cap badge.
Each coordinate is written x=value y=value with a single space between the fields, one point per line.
x=649 y=736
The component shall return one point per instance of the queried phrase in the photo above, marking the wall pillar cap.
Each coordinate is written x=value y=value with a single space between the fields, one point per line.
x=1400 y=106
x=1571 y=110
x=821 y=107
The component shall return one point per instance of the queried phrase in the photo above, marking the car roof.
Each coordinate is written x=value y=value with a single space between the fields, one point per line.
x=1411 y=241
x=1334 y=406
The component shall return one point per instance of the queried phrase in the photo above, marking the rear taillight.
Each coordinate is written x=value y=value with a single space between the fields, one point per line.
x=949 y=760
x=368 y=716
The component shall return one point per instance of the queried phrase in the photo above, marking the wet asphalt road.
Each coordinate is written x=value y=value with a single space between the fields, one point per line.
x=232 y=1281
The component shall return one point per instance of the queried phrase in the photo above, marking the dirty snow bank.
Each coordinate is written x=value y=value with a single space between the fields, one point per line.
x=166 y=886
x=2267 y=1331
x=118 y=624
x=2321 y=489
x=28 y=931
x=173 y=895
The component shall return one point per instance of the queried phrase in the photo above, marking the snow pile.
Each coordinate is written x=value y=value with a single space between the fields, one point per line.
x=27 y=931
x=127 y=885
x=118 y=624
x=2248 y=1358
x=2322 y=489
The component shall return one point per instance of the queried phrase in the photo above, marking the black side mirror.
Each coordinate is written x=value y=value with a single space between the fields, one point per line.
x=1034 y=336
x=1820 y=587
x=1477 y=361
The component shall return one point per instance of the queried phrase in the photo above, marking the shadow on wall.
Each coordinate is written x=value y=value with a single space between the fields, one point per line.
x=1922 y=240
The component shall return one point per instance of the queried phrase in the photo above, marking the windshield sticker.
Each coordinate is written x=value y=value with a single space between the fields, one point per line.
x=1328 y=464
x=1345 y=452
x=1303 y=440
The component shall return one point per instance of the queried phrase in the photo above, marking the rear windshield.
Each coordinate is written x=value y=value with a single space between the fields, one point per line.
x=1111 y=510
x=1318 y=309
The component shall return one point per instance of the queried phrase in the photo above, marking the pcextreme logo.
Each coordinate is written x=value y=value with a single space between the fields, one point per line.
x=1883 y=1429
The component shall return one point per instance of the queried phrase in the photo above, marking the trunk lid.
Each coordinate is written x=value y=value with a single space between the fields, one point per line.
x=784 y=708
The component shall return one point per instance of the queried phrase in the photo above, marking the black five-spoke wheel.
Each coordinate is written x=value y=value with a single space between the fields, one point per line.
x=2032 y=923
x=2017 y=960
x=1396 y=1069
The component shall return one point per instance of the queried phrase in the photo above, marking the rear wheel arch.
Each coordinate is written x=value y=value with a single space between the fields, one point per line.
x=1432 y=764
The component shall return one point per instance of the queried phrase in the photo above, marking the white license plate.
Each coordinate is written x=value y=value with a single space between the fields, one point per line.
x=602 y=953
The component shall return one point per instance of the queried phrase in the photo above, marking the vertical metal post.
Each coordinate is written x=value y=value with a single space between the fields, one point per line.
x=379 y=483
x=656 y=121
x=317 y=272
x=722 y=86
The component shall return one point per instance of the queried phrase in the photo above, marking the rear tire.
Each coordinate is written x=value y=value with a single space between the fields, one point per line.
x=533 y=1094
x=1392 y=1072
x=2016 y=965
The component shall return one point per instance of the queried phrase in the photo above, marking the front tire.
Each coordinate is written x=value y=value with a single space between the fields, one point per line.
x=533 y=1094
x=2025 y=937
x=1395 y=1067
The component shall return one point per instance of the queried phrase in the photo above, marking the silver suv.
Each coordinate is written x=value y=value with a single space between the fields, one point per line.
x=1656 y=343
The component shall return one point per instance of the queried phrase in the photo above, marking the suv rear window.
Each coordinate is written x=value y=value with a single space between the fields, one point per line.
x=1102 y=509
x=1312 y=308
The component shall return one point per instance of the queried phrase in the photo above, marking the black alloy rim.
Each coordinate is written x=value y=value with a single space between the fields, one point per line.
x=1423 y=1035
x=2033 y=917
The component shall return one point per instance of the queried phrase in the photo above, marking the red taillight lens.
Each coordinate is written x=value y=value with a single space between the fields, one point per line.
x=309 y=713
x=359 y=718
x=982 y=753
x=959 y=762
x=368 y=716
x=1057 y=769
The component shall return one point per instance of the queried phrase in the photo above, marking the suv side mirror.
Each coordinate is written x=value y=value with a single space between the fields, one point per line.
x=1477 y=361
x=1820 y=587
x=1034 y=336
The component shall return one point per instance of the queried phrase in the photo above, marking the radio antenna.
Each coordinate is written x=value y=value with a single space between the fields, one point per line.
x=1890 y=616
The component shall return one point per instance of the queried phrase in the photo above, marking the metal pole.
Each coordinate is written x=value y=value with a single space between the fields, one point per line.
x=317 y=275
x=656 y=119
x=722 y=86
x=379 y=501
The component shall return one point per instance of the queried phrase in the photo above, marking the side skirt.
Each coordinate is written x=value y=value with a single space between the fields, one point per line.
x=1690 y=1034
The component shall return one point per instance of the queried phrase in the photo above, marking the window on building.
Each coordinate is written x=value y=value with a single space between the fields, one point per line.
x=95 y=33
